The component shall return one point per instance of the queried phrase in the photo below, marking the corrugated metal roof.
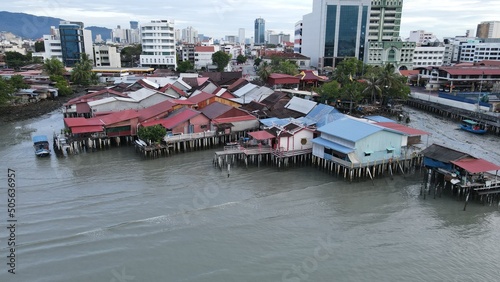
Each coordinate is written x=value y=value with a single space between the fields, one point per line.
x=443 y=154
x=331 y=145
x=404 y=129
x=473 y=165
x=379 y=119
x=215 y=109
x=300 y=105
x=171 y=122
x=261 y=135
x=244 y=90
x=350 y=129
x=142 y=94
x=87 y=129
x=203 y=96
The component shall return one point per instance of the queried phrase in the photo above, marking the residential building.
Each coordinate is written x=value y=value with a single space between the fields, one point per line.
x=74 y=42
x=427 y=56
x=230 y=39
x=186 y=52
x=203 y=56
x=259 y=31
x=278 y=39
x=422 y=37
x=241 y=36
x=489 y=29
x=189 y=35
x=107 y=56
x=476 y=51
x=452 y=49
x=297 y=48
x=158 y=44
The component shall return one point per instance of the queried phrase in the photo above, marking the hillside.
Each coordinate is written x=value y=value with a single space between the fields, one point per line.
x=34 y=27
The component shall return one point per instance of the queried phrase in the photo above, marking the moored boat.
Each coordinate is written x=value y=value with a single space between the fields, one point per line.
x=41 y=145
x=472 y=126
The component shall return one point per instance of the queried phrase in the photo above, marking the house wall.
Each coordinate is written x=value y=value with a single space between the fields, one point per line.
x=115 y=106
x=378 y=143
x=198 y=122
x=294 y=142
x=244 y=125
x=337 y=140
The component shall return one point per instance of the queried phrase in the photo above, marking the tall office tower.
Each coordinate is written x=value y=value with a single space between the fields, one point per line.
x=189 y=35
x=241 y=36
x=490 y=29
x=74 y=42
x=158 y=44
x=134 y=25
x=335 y=30
x=260 y=31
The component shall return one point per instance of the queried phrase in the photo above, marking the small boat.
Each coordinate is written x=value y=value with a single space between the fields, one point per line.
x=471 y=126
x=41 y=145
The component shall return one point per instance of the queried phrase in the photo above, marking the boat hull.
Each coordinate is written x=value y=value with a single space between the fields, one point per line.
x=472 y=130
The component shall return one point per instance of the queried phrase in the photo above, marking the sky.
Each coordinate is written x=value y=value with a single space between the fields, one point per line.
x=217 y=18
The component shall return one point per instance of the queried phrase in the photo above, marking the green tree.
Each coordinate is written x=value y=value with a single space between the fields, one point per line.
x=221 y=59
x=16 y=60
x=6 y=89
x=257 y=62
x=53 y=66
x=39 y=46
x=347 y=70
x=372 y=88
x=82 y=72
x=241 y=59
x=62 y=85
x=185 y=66
x=17 y=82
x=329 y=92
x=130 y=55
x=285 y=67
x=264 y=71
x=153 y=133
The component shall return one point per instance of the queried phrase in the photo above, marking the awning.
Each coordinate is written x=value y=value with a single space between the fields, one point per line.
x=261 y=135
x=476 y=165
x=86 y=129
x=333 y=146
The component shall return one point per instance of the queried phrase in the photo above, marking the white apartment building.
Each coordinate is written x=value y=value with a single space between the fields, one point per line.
x=241 y=36
x=428 y=56
x=158 y=44
x=203 y=56
x=189 y=35
x=421 y=37
x=475 y=51
x=297 y=44
x=106 y=56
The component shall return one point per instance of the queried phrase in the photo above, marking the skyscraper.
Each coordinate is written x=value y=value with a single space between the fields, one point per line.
x=260 y=31
x=335 y=30
x=74 y=42
x=241 y=36
x=134 y=25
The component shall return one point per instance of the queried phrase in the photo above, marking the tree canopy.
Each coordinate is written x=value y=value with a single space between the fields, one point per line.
x=53 y=66
x=130 y=55
x=17 y=60
x=82 y=72
x=185 y=66
x=221 y=59
x=241 y=59
x=153 y=133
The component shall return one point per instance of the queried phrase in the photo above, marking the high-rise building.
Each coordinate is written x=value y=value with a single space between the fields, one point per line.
x=241 y=36
x=422 y=37
x=189 y=35
x=260 y=31
x=335 y=30
x=490 y=29
x=134 y=25
x=74 y=42
x=158 y=44
x=384 y=44
x=297 y=46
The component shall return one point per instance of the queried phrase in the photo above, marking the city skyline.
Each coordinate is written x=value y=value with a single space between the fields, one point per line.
x=220 y=18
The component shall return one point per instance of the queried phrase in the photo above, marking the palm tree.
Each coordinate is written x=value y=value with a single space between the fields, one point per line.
x=53 y=66
x=82 y=72
x=387 y=79
x=264 y=71
x=372 y=87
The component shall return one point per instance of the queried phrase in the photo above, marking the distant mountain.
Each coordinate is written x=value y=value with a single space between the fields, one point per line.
x=34 y=27
x=26 y=25
x=104 y=32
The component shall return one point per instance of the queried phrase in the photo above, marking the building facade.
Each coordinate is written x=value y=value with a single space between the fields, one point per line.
x=421 y=37
x=490 y=29
x=241 y=36
x=297 y=43
x=335 y=30
x=260 y=31
x=106 y=56
x=189 y=35
x=476 y=51
x=74 y=42
x=158 y=45
x=424 y=56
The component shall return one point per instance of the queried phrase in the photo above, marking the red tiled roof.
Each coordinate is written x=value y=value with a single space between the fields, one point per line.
x=204 y=49
x=173 y=121
x=87 y=97
x=261 y=135
x=203 y=96
x=476 y=165
x=183 y=102
x=117 y=117
x=87 y=129
x=279 y=78
x=79 y=121
x=409 y=72
x=173 y=87
x=234 y=119
x=471 y=70
x=404 y=129
x=155 y=110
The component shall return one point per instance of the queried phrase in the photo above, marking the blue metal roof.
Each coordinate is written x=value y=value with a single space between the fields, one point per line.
x=379 y=119
x=332 y=145
x=40 y=138
x=269 y=121
x=350 y=129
